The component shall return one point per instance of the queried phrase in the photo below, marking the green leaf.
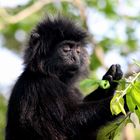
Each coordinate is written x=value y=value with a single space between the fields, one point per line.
x=88 y=83
x=121 y=105
x=122 y=84
x=130 y=102
x=135 y=92
x=113 y=130
x=104 y=84
x=117 y=105
x=118 y=133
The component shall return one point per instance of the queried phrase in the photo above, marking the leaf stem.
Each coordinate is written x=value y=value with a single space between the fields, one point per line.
x=118 y=124
x=125 y=90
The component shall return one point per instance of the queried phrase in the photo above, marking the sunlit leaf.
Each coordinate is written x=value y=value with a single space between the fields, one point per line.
x=122 y=84
x=117 y=105
x=121 y=105
x=130 y=102
x=88 y=83
x=135 y=93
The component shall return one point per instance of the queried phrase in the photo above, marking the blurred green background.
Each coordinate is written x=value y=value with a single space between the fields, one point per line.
x=114 y=26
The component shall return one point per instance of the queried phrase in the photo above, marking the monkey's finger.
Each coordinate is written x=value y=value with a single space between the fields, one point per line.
x=119 y=74
x=111 y=71
x=108 y=78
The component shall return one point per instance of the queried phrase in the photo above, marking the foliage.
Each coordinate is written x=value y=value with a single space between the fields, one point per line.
x=129 y=87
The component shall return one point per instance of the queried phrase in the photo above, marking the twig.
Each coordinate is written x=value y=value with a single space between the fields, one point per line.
x=26 y=12
x=118 y=124
x=124 y=91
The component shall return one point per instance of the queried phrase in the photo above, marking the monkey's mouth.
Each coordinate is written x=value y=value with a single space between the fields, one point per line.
x=73 y=69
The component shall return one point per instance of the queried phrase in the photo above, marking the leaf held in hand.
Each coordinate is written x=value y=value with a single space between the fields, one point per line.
x=88 y=83
x=104 y=84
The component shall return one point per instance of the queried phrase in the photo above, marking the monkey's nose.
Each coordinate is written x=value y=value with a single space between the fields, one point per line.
x=73 y=59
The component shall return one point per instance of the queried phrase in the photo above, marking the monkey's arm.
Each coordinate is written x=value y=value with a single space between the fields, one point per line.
x=89 y=115
x=114 y=73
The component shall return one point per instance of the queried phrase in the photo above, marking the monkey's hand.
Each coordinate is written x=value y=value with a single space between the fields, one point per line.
x=113 y=75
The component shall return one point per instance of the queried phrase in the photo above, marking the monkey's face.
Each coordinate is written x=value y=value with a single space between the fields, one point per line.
x=71 y=57
x=56 y=47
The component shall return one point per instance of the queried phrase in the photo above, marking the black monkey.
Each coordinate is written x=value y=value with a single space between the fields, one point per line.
x=45 y=104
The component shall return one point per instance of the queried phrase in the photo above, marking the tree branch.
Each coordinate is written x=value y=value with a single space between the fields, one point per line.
x=24 y=13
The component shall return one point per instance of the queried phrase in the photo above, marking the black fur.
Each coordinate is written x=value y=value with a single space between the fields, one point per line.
x=45 y=104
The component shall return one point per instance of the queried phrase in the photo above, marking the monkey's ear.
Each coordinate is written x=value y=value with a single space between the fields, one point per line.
x=34 y=39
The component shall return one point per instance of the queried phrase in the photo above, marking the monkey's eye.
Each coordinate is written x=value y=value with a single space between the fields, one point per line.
x=66 y=48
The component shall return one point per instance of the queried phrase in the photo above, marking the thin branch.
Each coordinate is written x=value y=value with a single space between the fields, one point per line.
x=119 y=123
x=125 y=90
x=130 y=73
x=26 y=12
